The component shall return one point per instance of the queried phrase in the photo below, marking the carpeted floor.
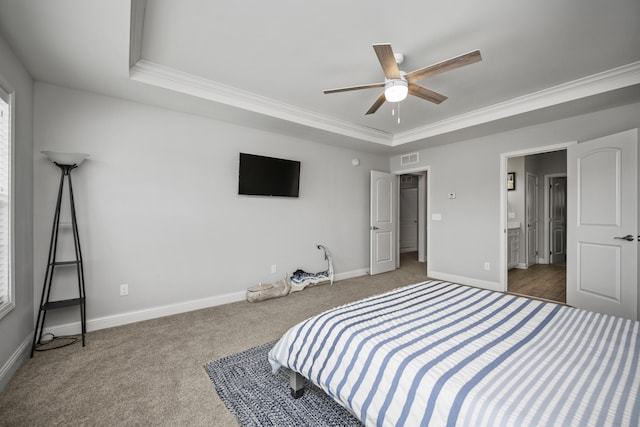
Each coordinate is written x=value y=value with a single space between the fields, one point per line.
x=150 y=373
x=257 y=397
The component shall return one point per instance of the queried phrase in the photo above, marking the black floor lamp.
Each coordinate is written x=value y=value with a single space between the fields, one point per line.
x=66 y=162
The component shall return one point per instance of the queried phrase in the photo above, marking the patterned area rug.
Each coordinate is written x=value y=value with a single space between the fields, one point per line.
x=257 y=397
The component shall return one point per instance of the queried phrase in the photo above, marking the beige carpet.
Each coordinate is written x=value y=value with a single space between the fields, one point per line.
x=152 y=373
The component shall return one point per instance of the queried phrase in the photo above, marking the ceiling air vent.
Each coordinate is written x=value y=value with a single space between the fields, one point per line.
x=409 y=159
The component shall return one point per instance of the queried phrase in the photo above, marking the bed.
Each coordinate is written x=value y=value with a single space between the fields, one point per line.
x=437 y=353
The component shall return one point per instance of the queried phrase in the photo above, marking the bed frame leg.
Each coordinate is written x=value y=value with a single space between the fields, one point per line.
x=296 y=381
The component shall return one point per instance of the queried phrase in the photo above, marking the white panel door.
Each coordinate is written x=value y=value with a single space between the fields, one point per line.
x=383 y=223
x=408 y=219
x=531 y=218
x=602 y=271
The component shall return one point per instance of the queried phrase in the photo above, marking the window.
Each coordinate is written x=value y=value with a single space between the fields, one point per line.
x=6 y=283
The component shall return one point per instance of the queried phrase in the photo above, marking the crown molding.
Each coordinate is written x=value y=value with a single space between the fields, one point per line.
x=616 y=78
x=175 y=80
x=169 y=78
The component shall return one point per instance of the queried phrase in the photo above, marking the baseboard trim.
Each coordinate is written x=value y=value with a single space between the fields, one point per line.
x=351 y=274
x=146 y=314
x=15 y=361
x=484 y=284
x=166 y=310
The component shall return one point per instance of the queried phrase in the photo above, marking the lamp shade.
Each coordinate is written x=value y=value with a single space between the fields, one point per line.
x=396 y=90
x=65 y=158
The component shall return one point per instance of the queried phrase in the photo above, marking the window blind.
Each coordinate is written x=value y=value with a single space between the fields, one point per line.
x=5 y=209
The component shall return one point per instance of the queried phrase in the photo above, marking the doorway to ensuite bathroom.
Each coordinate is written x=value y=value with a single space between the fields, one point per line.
x=537 y=225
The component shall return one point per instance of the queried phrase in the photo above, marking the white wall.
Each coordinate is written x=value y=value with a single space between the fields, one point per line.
x=158 y=207
x=17 y=325
x=469 y=233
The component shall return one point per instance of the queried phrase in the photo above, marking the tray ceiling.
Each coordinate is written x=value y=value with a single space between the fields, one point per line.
x=265 y=64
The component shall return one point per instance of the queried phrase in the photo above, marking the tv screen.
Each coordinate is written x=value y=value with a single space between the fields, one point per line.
x=268 y=176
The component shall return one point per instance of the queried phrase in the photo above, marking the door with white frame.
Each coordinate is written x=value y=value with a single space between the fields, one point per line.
x=383 y=222
x=530 y=214
x=531 y=218
x=602 y=231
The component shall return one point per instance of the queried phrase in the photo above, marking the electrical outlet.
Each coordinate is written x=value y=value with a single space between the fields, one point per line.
x=487 y=266
x=124 y=290
x=274 y=268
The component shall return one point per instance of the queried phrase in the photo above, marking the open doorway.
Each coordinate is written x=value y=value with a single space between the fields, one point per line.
x=536 y=225
x=412 y=214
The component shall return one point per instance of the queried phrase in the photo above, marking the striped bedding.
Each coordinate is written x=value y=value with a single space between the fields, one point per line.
x=437 y=353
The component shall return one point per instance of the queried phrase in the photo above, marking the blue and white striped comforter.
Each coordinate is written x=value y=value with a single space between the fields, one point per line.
x=437 y=353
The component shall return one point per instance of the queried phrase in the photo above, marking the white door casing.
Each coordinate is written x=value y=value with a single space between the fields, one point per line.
x=557 y=220
x=423 y=222
x=602 y=271
x=408 y=219
x=504 y=202
x=382 y=223
x=531 y=218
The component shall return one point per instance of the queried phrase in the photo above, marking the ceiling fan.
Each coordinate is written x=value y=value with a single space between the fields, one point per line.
x=397 y=84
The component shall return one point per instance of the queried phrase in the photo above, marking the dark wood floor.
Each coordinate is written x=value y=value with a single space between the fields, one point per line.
x=545 y=281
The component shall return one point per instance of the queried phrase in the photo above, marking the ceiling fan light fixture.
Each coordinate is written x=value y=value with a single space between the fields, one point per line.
x=396 y=90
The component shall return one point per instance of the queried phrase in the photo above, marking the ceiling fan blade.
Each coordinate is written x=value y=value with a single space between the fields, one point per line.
x=346 y=89
x=377 y=104
x=441 y=67
x=424 y=93
x=387 y=60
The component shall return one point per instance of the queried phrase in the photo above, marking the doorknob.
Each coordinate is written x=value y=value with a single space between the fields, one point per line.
x=628 y=238
x=373 y=227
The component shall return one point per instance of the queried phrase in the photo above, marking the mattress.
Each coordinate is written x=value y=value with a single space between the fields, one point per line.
x=437 y=353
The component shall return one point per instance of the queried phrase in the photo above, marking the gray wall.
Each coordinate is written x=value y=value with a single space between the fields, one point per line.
x=16 y=326
x=158 y=207
x=469 y=233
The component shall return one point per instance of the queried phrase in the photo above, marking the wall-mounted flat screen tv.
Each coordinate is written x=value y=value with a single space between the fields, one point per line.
x=268 y=176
